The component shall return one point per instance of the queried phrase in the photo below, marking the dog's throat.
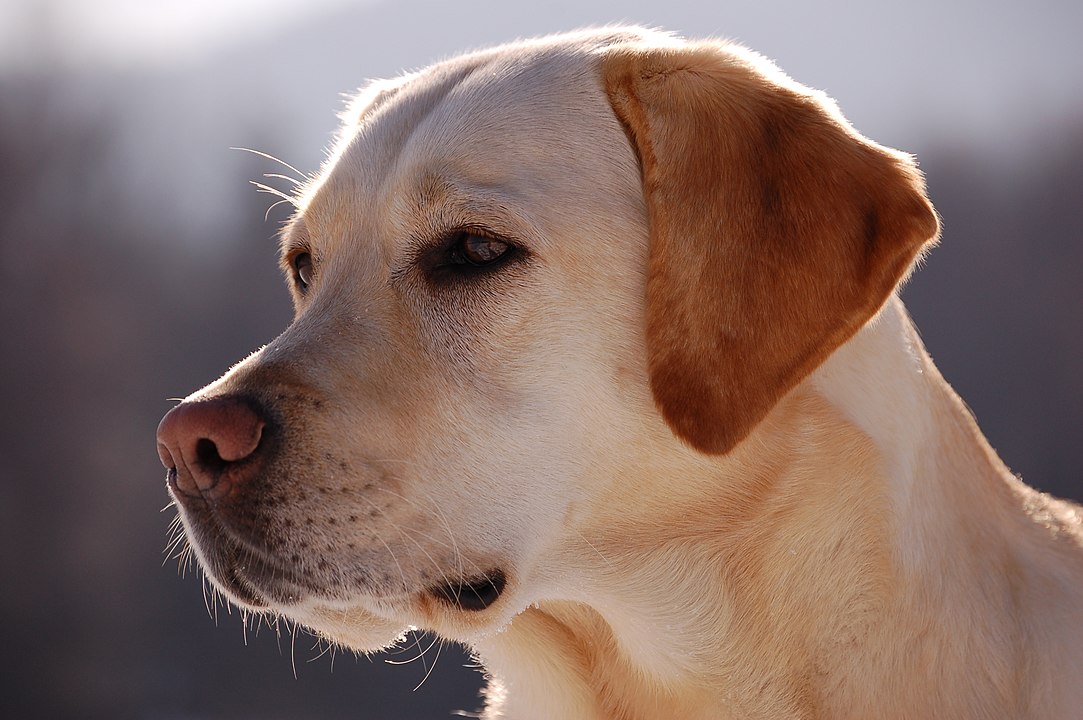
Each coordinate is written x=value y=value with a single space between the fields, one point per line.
x=473 y=594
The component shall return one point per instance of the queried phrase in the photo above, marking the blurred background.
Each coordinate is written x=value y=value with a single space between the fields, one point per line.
x=136 y=265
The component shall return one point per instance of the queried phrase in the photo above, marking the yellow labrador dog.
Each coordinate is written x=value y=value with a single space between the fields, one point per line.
x=598 y=367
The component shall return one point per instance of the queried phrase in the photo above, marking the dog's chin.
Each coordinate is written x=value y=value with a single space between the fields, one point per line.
x=355 y=626
x=351 y=623
x=458 y=611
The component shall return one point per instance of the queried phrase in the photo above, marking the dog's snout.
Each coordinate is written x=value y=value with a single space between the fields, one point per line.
x=202 y=439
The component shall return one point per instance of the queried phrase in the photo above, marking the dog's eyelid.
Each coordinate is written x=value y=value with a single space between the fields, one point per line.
x=476 y=248
x=299 y=264
x=479 y=239
x=293 y=238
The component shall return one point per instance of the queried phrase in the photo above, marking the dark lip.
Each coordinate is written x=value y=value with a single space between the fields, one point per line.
x=473 y=594
x=238 y=567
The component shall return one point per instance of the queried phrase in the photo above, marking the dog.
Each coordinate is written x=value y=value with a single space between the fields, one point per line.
x=598 y=366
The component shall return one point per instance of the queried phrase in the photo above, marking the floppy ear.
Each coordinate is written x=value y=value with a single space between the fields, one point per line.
x=776 y=231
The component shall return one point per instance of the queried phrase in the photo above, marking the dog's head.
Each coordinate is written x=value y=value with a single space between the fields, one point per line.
x=530 y=283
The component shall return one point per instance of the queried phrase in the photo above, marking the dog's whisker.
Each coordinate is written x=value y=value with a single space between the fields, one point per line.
x=398 y=461
x=475 y=569
x=292 y=629
x=398 y=566
x=287 y=178
x=419 y=547
x=175 y=538
x=171 y=542
x=273 y=626
x=264 y=188
x=219 y=600
x=323 y=648
x=175 y=529
x=596 y=550
x=174 y=549
x=304 y=177
x=439 y=647
x=431 y=559
x=208 y=597
x=457 y=555
x=441 y=516
x=267 y=214
x=420 y=655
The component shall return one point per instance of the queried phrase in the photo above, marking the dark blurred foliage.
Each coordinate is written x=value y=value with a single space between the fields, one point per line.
x=107 y=313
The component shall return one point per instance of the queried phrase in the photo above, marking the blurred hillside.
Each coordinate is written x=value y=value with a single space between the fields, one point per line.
x=135 y=265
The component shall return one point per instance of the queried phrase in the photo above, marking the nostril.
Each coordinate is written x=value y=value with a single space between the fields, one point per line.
x=207 y=455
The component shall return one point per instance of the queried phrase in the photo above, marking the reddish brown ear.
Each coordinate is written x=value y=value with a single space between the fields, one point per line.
x=776 y=230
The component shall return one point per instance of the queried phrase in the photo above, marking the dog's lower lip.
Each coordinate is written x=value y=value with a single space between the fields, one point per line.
x=473 y=594
x=242 y=590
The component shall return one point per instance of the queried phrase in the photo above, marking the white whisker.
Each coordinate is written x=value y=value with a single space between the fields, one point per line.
x=596 y=550
x=267 y=215
x=287 y=178
x=272 y=158
x=435 y=660
x=264 y=188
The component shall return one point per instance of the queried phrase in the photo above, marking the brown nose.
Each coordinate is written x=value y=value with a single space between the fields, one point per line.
x=202 y=439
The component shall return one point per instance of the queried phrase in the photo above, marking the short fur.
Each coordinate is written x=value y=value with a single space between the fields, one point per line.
x=689 y=421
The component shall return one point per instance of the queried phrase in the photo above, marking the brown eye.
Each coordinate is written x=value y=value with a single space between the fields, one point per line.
x=303 y=270
x=470 y=256
x=479 y=250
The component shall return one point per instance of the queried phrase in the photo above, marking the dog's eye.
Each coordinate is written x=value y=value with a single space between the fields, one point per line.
x=303 y=270
x=469 y=256
x=478 y=250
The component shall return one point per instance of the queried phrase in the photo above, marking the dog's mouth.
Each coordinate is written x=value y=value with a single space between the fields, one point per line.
x=240 y=564
x=254 y=579
x=474 y=594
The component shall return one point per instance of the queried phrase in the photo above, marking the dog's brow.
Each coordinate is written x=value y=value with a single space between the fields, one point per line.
x=289 y=235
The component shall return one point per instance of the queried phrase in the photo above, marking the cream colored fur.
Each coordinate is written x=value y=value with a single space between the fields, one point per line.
x=862 y=553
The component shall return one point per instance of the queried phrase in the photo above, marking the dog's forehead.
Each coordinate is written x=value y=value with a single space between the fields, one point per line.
x=512 y=113
x=527 y=119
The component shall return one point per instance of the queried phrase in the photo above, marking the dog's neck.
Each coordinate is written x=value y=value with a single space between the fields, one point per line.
x=801 y=575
